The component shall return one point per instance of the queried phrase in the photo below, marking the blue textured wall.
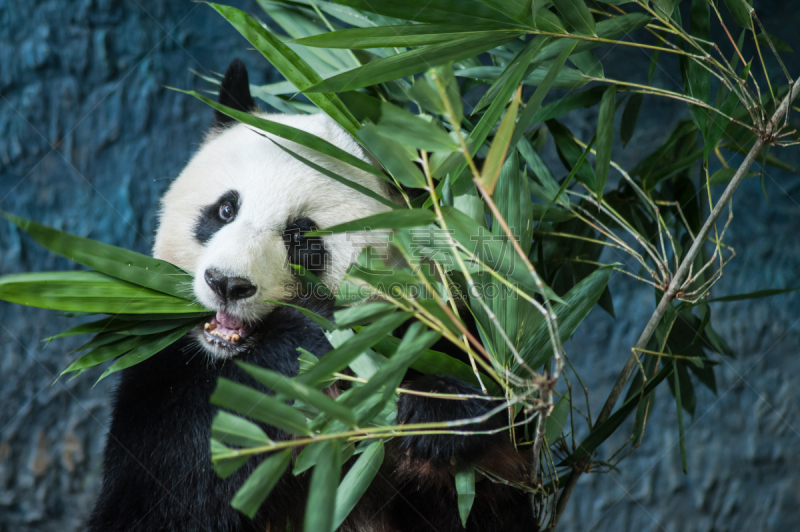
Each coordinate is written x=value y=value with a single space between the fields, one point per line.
x=89 y=139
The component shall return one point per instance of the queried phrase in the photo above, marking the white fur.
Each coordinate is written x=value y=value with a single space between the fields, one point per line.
x=273 y=187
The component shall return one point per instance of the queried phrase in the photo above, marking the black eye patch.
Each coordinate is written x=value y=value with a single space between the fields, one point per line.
x=216 y=215
x=306 y=251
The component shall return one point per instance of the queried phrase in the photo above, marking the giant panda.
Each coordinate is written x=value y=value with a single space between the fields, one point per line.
x=236 y=217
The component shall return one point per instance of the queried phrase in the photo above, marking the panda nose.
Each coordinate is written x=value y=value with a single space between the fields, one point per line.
x=229 y=288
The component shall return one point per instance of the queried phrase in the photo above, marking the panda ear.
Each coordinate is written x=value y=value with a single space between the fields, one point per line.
x=234 y=92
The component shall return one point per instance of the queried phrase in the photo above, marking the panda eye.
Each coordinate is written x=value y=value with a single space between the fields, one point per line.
x=216 y=215
x=226 y=212
x=296 y=229
x=303 y=249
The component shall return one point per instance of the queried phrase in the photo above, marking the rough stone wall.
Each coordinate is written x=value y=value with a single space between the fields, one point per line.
x=89 y=139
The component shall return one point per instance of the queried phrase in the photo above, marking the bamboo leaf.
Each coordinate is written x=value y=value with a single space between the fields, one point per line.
x=83 y=291
x=148 y=327
x=413 y=344
x=145 y=350
x=495 y=253
x=528 y=13
x=740 y=11
x=575 y=307
x=696 y=79
x=568 y=78
x=664 y=7
x=519 y=10
x=588 y=64
x=301 y=26
x=112 y=323
x=288 y=63
x=499 y=148
x=101 y=339
x=403 y=35
x=410 y=129
x=357 y=480
x=104 y=353
x=322 y=491
x=261 y=482
x=341 y=179
x=605 y=139
x=235 y=430
x=571 y=154
x=392 y=156
x=227 y=466
x=611 y=29
x=256 y=405
x=511 y=71
x=646 y=405
x=362 y=314
x=568 y=180
x=753 y=295
x=294 y=389
x=385 y=220
x=566 y=104
x=409 y=63
x=322 y=321
x=629 y=118
x=718 y=123
x=434 y=362
x=308 y=457
x=465 y=487
x=557 y=419
x=289 y=133
x=764 y=39
x=723 y=176
x=456 y=12
x=577 y=15
x=456 y=163
x=340 y=357
x=771 y=160
x=536 y=99
x=113 y=261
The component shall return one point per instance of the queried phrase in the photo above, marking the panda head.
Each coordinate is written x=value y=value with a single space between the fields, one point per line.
x=237 y=217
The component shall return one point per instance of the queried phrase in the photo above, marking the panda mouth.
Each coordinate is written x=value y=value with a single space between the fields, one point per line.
x=226 y=330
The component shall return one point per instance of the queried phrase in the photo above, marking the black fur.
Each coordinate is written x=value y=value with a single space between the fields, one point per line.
x=209 y=222
x=439 y=449
x=306 y=251
x=157 y=472
x=424 y=466
x=234 y=91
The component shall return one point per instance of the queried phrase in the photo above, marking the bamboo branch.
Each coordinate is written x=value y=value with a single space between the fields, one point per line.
x=765 y=137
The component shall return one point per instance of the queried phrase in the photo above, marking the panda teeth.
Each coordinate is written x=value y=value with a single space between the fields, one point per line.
x=234 y=337
x=209 y=327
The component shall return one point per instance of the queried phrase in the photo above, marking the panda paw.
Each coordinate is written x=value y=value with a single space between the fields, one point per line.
x=446 y=449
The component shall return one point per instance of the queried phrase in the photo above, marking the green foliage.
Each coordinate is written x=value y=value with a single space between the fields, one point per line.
x=495 y=229
x=465 y=487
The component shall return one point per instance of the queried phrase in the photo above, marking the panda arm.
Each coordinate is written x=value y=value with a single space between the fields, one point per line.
x=422 y=467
